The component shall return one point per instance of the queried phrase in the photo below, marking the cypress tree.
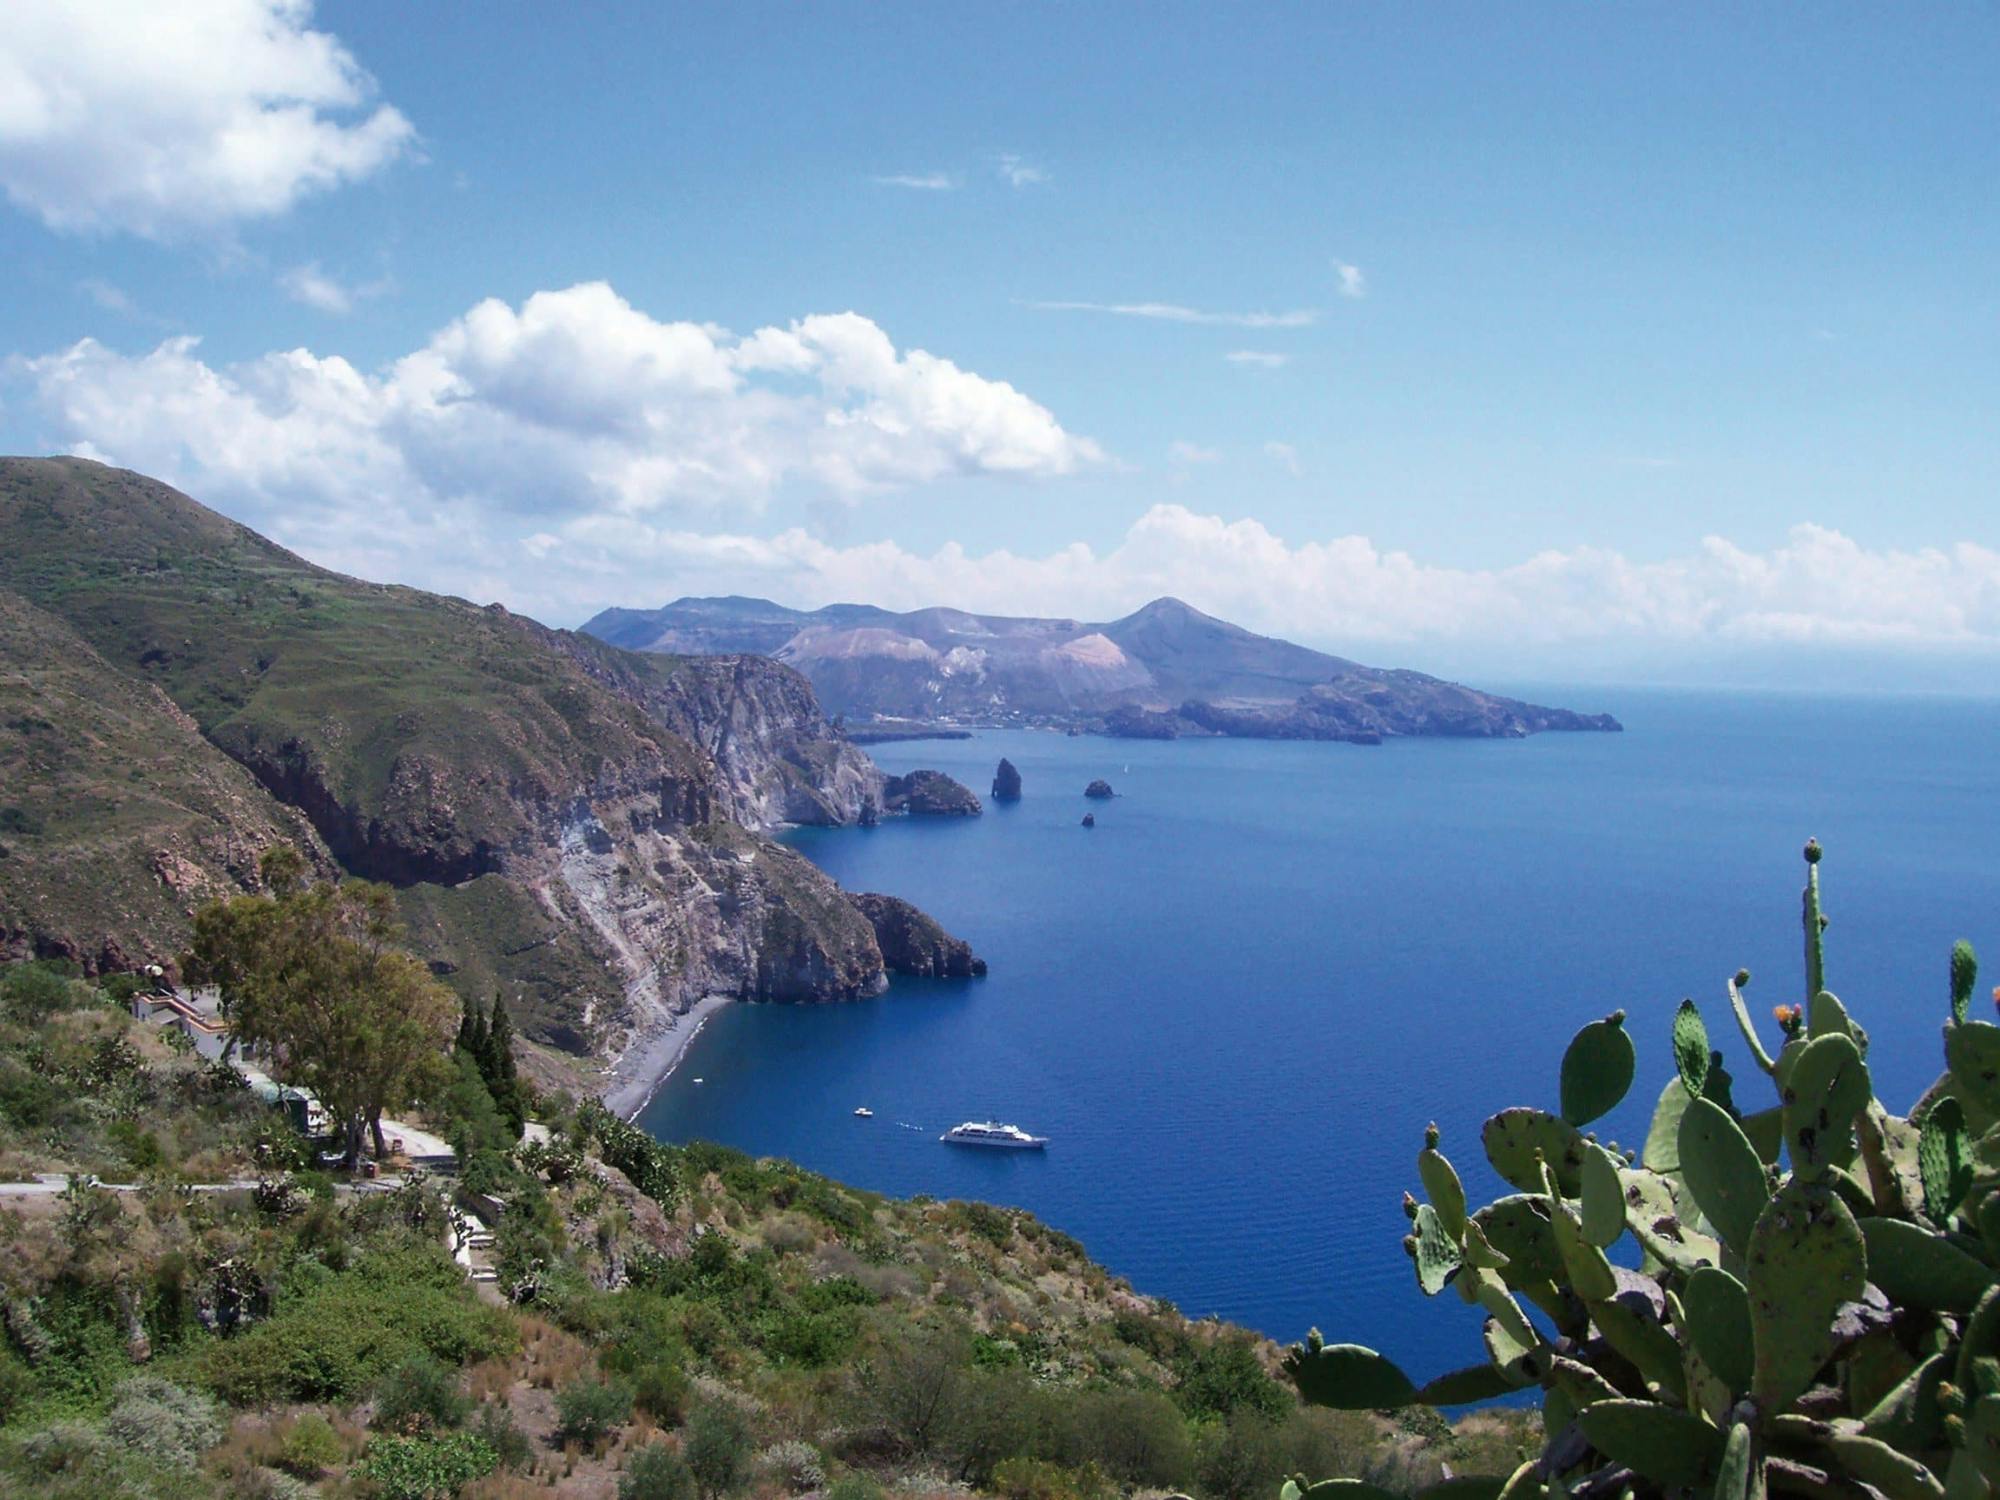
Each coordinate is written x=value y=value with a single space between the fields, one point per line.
x=504 y=1082
x=477 y=1043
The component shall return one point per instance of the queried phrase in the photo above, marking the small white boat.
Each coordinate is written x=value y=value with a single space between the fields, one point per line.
x=865 y=1113
x=701 y=1080
x=992 y=1133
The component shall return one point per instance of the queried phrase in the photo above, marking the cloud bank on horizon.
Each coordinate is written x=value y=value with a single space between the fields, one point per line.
x=575 y=452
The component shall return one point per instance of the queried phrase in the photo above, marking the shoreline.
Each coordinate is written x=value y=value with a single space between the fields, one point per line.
x=652 y=1057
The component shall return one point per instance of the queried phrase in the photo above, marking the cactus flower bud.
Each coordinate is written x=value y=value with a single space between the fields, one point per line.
x=1431 y=1136
x=1410 y=1246
x=1812 y=851
x=1742 y=979
x=1409 y=1207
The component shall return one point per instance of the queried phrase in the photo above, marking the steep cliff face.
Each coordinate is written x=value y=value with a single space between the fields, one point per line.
x=915 y=943
x=563 y=822
x=776 y=757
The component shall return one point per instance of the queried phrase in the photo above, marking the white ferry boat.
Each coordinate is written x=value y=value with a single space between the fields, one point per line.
x=991 y=1133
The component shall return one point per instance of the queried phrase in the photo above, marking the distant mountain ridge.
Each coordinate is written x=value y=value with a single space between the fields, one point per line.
x=1164 y=671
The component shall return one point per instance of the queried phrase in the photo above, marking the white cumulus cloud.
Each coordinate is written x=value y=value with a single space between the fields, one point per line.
x=572 y=404
x=1352 y=282
x=1263 y=359
x=167 y=119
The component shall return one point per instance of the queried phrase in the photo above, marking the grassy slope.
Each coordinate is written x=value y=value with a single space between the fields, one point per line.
x=115 y=814
x=377 y=683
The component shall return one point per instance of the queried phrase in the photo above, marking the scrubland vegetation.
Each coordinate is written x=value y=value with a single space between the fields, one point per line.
x=668 y=1322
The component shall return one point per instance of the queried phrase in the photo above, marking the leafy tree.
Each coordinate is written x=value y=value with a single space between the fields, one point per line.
x=656 y=1472
x=587 y=1411
x=312 y=973
x=717 y=1448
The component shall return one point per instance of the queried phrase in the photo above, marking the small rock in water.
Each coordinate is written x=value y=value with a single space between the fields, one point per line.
x=1100 y=789
x=1006 y=782
x=1090 y=820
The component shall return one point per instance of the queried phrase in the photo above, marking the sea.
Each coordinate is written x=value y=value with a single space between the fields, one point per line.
x=1234 y=1004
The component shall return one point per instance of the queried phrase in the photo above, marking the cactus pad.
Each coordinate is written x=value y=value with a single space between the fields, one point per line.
x=1738 y=1475
x=1597 y=1069
x=1691 y=1048
x=1442 y=1186
x=1674 y=1449
x=1964 y=975
x=1972 y=1052
x=1723 y=1174
x=1603 y=1196
x=1826 y=1087
x=1515 y=1137
x=1347 y=1377
x=1435 y=1252
x=1806 y=1258
x=1941 y=1159
x=1518 y=1227
x=1716 y=1312
x=1910 y=1264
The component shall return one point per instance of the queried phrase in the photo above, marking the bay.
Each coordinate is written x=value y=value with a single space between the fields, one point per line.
x=1234 y=1004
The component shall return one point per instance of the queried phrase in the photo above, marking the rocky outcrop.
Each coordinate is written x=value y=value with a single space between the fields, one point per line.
x=777 y=760
x=1100 y=789
x=929 y=794
x=1006 y=782
x=913 y=943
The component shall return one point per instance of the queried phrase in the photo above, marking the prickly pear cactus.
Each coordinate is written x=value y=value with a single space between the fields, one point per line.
x=1816 y=1304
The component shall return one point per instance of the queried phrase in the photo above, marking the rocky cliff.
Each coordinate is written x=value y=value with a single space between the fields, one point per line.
x=575 y=827
x=777 y=758
x=913 y=943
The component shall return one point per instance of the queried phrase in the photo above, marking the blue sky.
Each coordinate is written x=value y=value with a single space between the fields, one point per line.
x=1566 y=338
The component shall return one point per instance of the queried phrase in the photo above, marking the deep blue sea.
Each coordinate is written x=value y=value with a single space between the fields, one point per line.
x=1234 y=1003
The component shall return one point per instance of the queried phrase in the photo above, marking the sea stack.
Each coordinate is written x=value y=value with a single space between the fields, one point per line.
x=929 y=793
x=1006 y=782
x=1100 y=789
x=1090 y=820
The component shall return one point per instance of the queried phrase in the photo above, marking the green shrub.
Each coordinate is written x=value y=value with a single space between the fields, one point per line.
x=717 y=1448
x=660 y=1390
x=166 y=1423
x=335 y=1340
x=795 y=1465
x=510 y=1445
x=1033 y=1479
x=588 y=1410
x=140 y=1148
x=656 y=1472
x=70 y=1461
x=311 y=1447
x=854 y=1486
x=1219 y=1376
x=426 y=1468
x=419 y=1395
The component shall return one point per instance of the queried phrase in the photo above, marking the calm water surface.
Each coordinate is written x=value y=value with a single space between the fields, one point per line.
x=1234 y=1003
